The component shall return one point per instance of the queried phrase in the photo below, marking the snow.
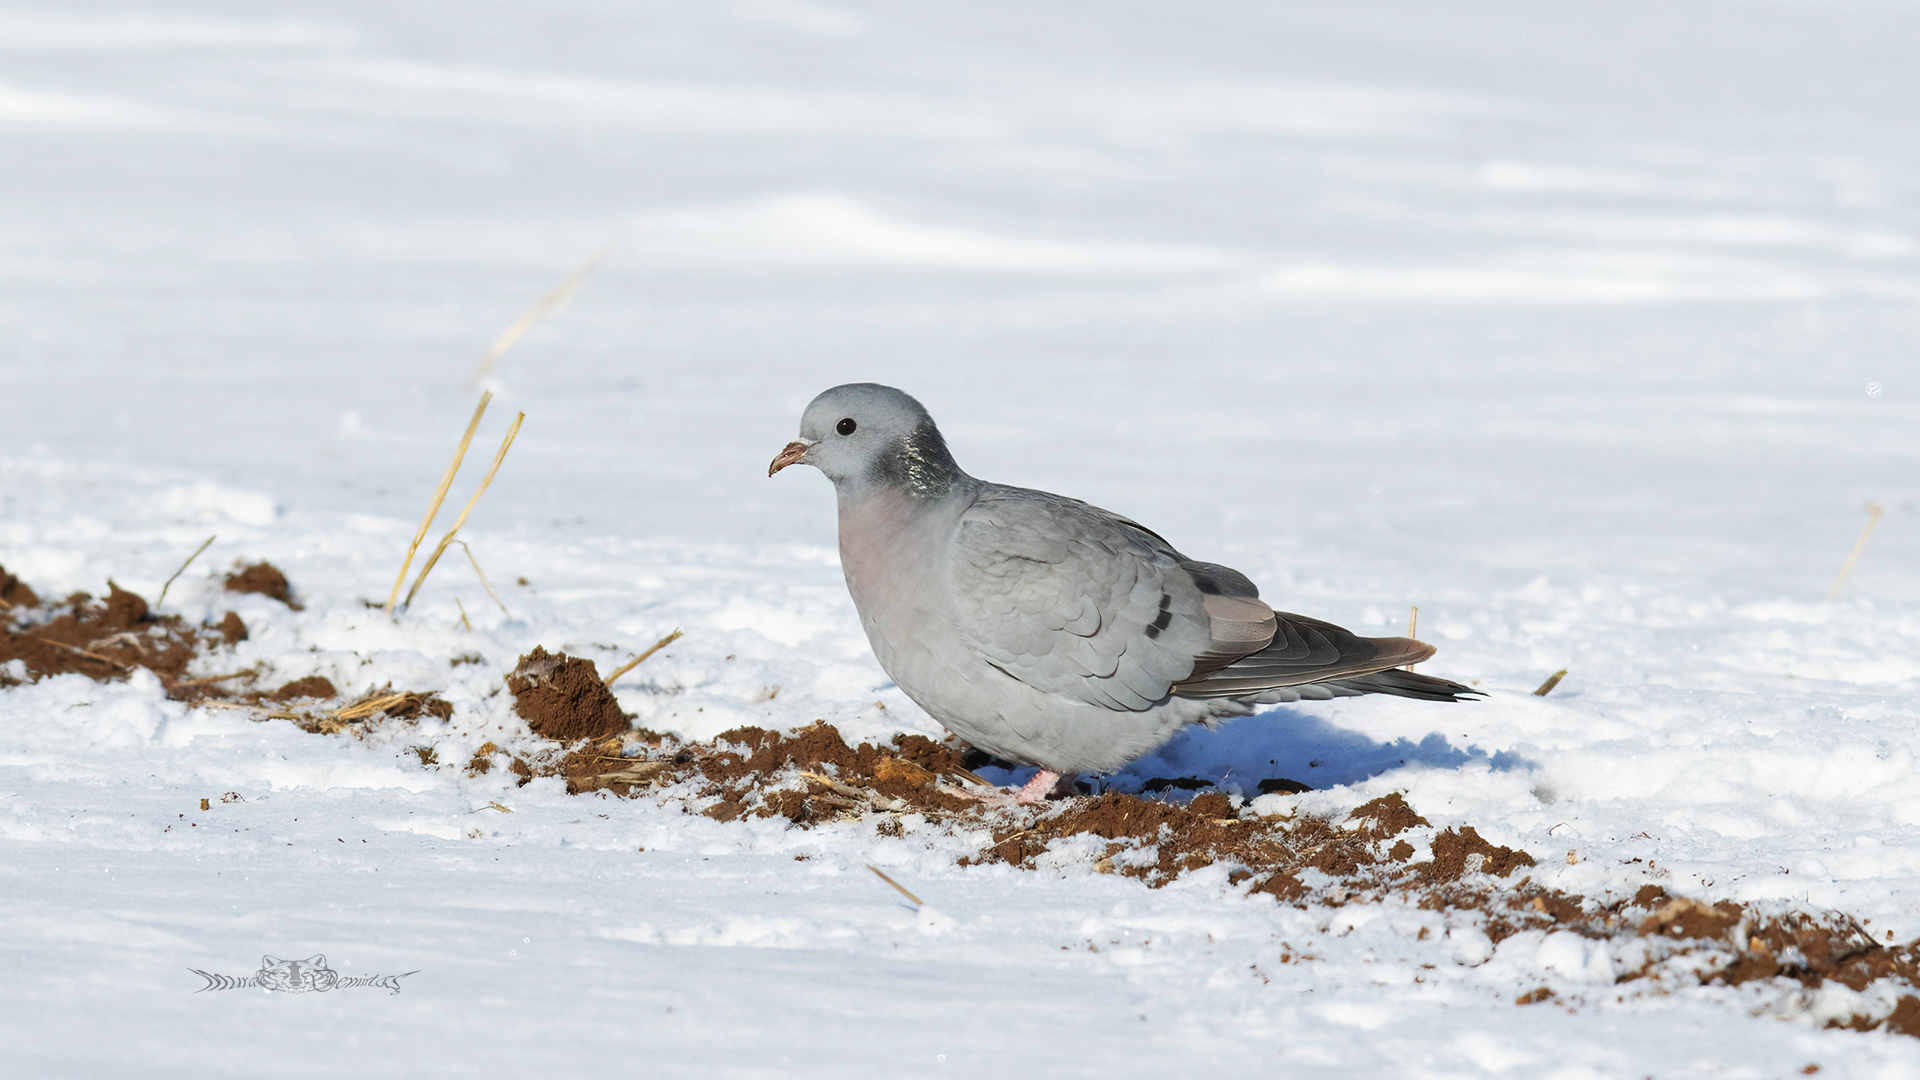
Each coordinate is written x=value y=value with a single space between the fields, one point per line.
x=1588 y=328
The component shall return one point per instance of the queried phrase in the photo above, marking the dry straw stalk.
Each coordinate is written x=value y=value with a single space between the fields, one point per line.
x=635 y=662
x=183 y=568
x=1874 y=510
x=85 y=653
x=530 y=318
x=482 y=575
x=485 y=482
x=902 y=889
x=1413 y=626
x=439 y=496
x=370 y=706
x=216 y=678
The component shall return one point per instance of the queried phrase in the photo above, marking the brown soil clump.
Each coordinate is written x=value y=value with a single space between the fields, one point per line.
x=562 y=698
x=109 y=640
x=1905 y=1019
x=313 y=686
x=263 y=578
x=1390 y=816
x=808 y=777
x=14 y=592
x=1808 y=947
x=1684 y=918
x=102 y=641
x=1462 y=851
x=1157 y=841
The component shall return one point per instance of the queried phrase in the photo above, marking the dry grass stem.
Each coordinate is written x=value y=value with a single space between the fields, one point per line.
x=1413 y=627
x=968 y=776
x=635 y=773
x=1874 y=510
x=542 y=308
x=439 y=496
x=485 y=482
x=85 y=653
x=837 y=786
x=635 y=662
x=183 y=569
x=128 y=640
x=216 y=678
x=482 y=575
x=902 y=889
x=1553 y=680
x=370 y=706
x=463 y=614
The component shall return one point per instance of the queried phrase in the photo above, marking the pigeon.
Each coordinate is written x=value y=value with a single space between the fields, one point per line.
x=1049 y=632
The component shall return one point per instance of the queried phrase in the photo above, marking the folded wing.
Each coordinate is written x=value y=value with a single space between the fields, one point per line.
x=1075 y=601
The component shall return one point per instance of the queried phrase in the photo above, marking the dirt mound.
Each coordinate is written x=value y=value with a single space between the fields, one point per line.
x=1390 y=816
x=562 y=697
x=808 y=777
x=109 y=640
x=1462 y=851
x=80 y=635
x=14 y=592
x=313 y=686
x=263 y=578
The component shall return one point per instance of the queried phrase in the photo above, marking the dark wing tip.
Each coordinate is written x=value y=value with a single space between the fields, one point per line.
x=1409 y=684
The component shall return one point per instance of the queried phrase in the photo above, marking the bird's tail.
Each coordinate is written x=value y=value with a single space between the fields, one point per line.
x=1313 y=660
x=1408 y=684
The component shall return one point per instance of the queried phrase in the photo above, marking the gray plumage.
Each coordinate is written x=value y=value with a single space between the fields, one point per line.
x=1047 y=631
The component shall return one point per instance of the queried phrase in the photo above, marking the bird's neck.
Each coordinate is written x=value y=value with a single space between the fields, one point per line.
x=919 y=462
x=890 y=535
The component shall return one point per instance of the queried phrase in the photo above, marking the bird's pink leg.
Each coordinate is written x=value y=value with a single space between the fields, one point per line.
x=1044 y=784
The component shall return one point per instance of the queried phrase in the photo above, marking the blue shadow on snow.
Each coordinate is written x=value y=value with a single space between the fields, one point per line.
x=1283 y=743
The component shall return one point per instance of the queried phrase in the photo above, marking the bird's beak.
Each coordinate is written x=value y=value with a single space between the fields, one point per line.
x=795 y=450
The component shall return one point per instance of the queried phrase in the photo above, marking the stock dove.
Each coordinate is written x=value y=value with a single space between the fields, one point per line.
x=1047 y=631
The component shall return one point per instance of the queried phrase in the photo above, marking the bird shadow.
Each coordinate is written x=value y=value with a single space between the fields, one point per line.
x=1285 y=744
x=1293 y=744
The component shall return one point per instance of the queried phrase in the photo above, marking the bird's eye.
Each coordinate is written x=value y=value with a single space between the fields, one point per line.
x=845 y=426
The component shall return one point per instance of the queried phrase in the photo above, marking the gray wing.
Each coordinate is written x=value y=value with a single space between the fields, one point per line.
x=1074 y=601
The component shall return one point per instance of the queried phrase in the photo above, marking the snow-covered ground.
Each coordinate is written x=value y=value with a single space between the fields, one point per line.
x=1586 y=327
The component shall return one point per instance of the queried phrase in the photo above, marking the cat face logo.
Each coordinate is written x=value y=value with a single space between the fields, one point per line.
x=296 y=976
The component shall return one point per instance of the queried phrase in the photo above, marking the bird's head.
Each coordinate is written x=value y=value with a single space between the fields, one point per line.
x=865 y=435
